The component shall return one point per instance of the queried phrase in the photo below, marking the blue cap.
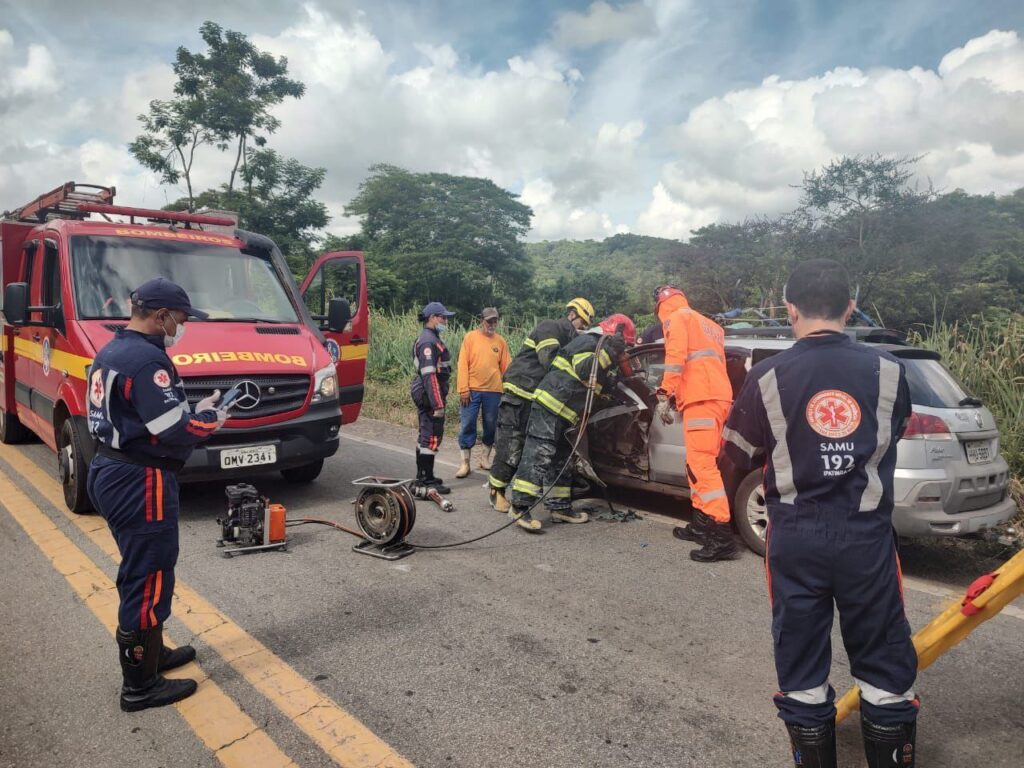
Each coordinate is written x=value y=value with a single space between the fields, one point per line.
x=161 y=293
x=435 y=308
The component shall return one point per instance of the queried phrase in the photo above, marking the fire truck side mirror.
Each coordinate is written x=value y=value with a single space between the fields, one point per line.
x=339 y=313
x=16 y=303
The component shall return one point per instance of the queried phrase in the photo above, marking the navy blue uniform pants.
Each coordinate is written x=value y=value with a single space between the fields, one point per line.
x=819 y=558
x=140 y=504
x=431 y=427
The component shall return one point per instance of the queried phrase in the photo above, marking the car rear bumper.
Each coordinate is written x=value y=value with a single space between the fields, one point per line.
x=915 y=521
x=303 y=440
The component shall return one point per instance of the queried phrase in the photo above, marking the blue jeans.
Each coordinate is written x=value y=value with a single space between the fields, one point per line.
x=479 y=402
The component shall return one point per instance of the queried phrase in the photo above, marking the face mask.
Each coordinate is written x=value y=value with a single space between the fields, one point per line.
x=179 y=332
x=441 y=327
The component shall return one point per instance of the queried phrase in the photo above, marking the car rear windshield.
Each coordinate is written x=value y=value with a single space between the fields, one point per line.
x=223 y=281
x=931 y=385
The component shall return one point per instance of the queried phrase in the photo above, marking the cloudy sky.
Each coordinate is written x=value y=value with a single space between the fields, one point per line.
x=646 y=116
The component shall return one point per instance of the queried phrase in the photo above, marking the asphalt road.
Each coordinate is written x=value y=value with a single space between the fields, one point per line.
x=589 y=645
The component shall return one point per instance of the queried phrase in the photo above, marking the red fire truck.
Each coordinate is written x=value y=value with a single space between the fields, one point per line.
x=299 y=356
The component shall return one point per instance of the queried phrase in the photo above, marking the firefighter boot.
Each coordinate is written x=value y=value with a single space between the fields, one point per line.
x=143 y=686
x=464 y=468
x=718 y=544
x=498 y=501
x=569 y=515
x=696 y=531
x=428 y=468
x=525 y=520
x=486 y=457
x=888 y=746
x=172 y=658
x=813 y=746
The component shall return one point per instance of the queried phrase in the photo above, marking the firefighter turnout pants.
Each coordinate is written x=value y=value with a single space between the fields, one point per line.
x=702 y=427
x=140 y=505
x=545 y=452
x=513 y=419
x=818 y=556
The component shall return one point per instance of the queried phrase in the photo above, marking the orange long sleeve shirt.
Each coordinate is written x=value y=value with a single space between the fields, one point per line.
x=482 y=362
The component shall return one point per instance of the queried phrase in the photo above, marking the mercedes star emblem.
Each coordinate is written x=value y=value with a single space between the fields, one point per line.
x=249 y=396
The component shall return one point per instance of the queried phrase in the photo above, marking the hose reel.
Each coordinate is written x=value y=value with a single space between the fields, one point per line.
x=385 y=513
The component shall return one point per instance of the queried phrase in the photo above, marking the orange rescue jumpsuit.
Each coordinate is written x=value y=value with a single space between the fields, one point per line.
x=695 y=374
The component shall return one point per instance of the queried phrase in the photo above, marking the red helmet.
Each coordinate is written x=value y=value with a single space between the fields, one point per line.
x=665 y=291
x=619 y=324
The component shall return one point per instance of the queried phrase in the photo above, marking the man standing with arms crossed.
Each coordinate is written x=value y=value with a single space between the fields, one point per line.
x=825 y=416
x=140 y=417
x=696 y=379
x=483 y=358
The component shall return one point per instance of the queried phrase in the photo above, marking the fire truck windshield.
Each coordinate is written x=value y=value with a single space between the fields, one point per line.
x=226 y=283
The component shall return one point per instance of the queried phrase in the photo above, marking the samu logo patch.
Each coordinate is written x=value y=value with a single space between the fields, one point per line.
x=833 y=413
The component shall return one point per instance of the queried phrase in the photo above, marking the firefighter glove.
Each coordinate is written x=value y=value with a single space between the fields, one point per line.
x=665 y=411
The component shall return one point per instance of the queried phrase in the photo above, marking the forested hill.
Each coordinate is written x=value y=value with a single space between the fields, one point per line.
x=914 y=256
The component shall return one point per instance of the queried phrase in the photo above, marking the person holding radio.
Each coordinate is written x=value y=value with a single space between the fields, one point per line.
x=145 y=430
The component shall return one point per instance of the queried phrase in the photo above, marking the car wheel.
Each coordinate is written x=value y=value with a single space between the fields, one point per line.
x=750 y=512
x=11 y=429
x=307 y=473
x=73 y=466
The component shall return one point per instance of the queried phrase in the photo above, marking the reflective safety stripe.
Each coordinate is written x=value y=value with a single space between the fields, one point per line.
x=164 y=422
x=782 y=463
x=605 y=359
x=560 y=492
x=554 y=405
x=817 y=695
x=429 y=451
x=734 y=437
x=446 y=366
x=512 y=389
x=880 y=697
x=712 y=495
x=427 y=369
x=704 y=353
x=672 y=368
x=694 y=423
x=581 y=357
x=888 y=387
x=566 y=367
x=530 y=343
x=546 y=343
x=495 y=482
x=525 y=486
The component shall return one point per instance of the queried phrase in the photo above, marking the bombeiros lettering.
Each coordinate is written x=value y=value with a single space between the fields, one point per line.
x=199 y=358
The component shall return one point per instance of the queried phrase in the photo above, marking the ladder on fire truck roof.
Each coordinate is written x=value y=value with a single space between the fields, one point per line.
x=63 y=203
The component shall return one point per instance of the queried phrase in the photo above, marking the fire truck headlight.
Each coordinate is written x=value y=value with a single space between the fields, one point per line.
x=325 y=384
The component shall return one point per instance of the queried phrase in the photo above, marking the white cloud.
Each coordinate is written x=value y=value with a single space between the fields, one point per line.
x=602 y=23
x=739 y=154
x=555 y=218
x=22 y=83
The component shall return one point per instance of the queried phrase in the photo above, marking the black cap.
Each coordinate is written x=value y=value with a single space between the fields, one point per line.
x=161 y=293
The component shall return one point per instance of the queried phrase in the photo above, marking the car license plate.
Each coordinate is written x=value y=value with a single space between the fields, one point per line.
x=978 y=451
x=239 y=458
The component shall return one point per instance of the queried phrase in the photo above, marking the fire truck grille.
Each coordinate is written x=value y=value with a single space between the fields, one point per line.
x=277 y=394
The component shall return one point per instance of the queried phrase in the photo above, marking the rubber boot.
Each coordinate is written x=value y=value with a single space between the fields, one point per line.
x=143 y=686
x=569 y=515
x=813 y=746
x=172 y=658
x=888 y=746
x=498 y=501
x=695 y=531
x=525 y=520
x=464 y=468
x=421 y=468
x=438 y=483
x=486 y=457
x=718 y=545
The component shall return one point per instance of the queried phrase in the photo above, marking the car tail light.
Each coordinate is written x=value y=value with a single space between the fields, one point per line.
x=924 y=426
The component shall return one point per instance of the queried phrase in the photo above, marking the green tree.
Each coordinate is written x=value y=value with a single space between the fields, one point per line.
x=237 y=84
x=172 y=132
x=435 y=236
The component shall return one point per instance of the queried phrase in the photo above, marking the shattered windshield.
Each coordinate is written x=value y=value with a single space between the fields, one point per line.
x=223 y=281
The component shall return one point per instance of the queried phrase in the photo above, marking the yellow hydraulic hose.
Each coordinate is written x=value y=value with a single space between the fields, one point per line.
x=957 y=621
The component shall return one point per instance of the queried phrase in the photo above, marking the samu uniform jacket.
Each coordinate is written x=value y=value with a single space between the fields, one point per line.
x=826 y=415
x=139 y=414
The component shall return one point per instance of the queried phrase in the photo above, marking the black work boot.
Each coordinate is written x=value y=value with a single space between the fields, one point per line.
x=143 y=686
x=172 y=658
x=888 y=746
x=813 y=746
x=718 y=544
x=696 y=531
x=438 y=483
x=421 y=469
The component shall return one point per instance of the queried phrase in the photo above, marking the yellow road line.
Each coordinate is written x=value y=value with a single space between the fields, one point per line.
x=343 y=737
x=218 y=722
